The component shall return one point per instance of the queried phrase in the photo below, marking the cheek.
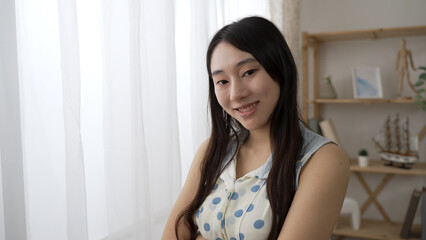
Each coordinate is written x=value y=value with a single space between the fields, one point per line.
x=222 y=98
x=272 y=90
x=277 y=93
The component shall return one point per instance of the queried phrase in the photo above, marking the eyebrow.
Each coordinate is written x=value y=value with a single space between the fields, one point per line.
x=240 y=63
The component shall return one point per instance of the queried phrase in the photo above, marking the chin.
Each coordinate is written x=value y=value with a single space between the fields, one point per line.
x=256 y=124
x=253 y=127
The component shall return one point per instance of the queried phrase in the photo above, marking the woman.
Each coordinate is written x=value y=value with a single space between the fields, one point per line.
x=261 y=174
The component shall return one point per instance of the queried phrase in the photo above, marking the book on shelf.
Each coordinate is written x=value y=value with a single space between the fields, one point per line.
x=328 y=131
x=411 y=211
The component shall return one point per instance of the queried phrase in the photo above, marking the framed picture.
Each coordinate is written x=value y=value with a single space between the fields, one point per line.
x=367 y=82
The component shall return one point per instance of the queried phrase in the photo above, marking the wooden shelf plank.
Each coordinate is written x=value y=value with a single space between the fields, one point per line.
x=377 y=166
x=373 y=229
x=367 y=34
x=364 y=101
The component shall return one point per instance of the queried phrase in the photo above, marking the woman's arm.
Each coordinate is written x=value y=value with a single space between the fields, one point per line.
x=318 y=200
x=185 y=197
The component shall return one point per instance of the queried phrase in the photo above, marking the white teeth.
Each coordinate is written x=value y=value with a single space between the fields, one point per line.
x=247 y=108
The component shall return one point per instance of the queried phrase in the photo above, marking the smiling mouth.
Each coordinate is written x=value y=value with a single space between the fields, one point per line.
x=247 y=108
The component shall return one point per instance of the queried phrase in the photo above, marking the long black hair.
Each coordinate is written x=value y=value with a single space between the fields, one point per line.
x=262 y=39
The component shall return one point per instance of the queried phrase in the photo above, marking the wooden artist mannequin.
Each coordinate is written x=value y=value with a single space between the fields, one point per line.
x=404 y=55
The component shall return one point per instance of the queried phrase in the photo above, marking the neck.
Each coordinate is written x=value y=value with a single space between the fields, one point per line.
x=259 y=139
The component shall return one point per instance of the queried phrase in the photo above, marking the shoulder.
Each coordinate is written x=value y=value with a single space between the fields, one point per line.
x=194 y=174
x=322 y=188
x=321 y=156
x=331 y=151
x=312 y=143
x=202 y=150
x=329 y=160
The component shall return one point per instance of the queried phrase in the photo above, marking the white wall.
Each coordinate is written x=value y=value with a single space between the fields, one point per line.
x=356 y=124
x=10 y=134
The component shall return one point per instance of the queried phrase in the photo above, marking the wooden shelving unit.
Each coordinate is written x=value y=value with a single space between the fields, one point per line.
x=378 y=229
x=374 y=229
x=314 y=40
x=367 y=34
x=377 y=166
x=363 y=101
x=370 y=229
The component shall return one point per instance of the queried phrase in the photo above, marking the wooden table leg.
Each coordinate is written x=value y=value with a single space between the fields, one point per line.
x=372 y=195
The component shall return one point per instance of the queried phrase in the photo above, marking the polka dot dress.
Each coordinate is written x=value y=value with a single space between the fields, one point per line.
x=239 y=209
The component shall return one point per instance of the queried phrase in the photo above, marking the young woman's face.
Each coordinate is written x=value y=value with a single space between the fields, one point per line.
x=243 y=87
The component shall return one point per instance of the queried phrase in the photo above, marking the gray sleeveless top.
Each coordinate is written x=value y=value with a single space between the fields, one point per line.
x=239 y=208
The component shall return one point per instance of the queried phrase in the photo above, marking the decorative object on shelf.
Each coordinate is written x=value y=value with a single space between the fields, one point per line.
x=363 y=158
x=420 y=90
x=367 y=82
x=351 y=207
x=314 y=125
x=327 y=89
x=405 y=58
x=396 y=144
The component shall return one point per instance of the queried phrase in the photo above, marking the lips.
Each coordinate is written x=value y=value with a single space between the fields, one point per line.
x=247 y=110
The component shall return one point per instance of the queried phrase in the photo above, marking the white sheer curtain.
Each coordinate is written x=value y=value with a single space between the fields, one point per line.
x=100 y=87
x=2 y=225
x=111 y=172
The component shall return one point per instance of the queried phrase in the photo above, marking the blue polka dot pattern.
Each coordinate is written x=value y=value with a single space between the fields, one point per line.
x=239 y=208
x=216 y=200
x=238 y=213
x=234 y=196
x=199 y=212
x=241 y=236
x=206 y=227
x=259 y=224
x=250 y=208
x=230 y=221
x=255 y=188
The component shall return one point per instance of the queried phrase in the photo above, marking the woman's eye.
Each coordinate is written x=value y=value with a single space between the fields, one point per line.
x=221 y=82
x=249 y=72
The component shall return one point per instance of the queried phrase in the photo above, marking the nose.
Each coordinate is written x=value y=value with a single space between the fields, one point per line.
x=239 y=90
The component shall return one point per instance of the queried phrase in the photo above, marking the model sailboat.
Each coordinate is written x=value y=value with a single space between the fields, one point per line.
x=396 y=144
